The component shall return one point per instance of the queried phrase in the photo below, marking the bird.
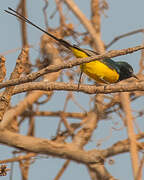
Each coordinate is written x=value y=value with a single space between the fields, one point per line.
x=102 y=71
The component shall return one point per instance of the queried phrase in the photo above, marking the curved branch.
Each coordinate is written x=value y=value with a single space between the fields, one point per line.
x=44 y=146
x=54 y=68
x=89 y=89
x=123 y=36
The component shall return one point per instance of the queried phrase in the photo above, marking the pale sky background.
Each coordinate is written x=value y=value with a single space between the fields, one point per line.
x=123 y=16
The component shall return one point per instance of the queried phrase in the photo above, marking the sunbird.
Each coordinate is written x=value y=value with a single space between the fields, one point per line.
x=102 y=71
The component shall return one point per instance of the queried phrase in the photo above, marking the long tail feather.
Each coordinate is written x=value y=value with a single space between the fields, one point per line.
x=18 y=15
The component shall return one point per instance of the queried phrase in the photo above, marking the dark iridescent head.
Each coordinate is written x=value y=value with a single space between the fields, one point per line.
x=126 y=70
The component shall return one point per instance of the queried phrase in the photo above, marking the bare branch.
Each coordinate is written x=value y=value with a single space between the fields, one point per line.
x=70 y=64
x=133 y=85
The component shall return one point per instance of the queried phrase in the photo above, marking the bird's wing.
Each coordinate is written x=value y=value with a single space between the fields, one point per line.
x=111 y=64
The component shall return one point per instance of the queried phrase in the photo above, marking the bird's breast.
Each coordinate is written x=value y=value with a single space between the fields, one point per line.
x=100 y=72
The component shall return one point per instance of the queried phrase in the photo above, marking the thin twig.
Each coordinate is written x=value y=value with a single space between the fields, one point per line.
x=123 y=36
x=60 y=173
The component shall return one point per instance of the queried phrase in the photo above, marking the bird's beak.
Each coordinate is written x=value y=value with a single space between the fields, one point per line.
x=133 y=75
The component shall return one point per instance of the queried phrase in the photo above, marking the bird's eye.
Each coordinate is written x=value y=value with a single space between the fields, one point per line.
x=131 y=70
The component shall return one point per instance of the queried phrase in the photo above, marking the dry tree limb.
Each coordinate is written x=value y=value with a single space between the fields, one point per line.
x=88 y=89
x=44 y=146
x=92 y=174
x=61 y=16
x=95 y=16
x=123 y=36
x=22 y=9
x=24 y=167
x=87 y=24
x=89 y=123
x=61 y=150
x=17 y=49
x=121 y=147
x=125 y=101
x=96 y=22
x=2 y=68
x=101 y=172
x=71 y=151
x=45 y=13
x=55 y=114
x=33 y=96
x=139 y=174
x=66 y=124
x=60 y=173
x=19 y=69
x=64 y=65
x=141 y=61
x=18 y=158
x=81 y=138
x=63 y=117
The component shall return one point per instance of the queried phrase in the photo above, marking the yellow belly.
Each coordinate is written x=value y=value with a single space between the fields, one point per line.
x=96 y=70
x=100 y=72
